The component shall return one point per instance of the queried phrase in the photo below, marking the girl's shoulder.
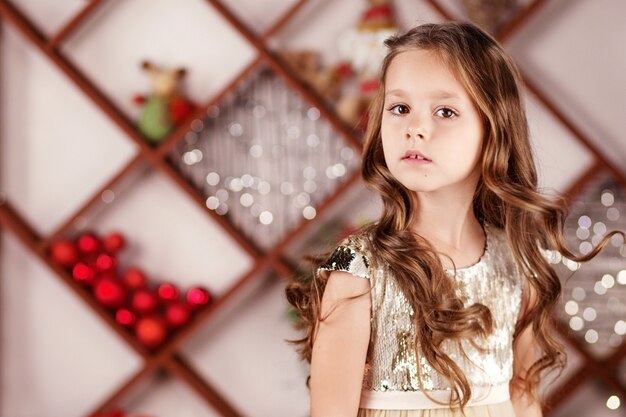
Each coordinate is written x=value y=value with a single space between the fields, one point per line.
x=351 y=254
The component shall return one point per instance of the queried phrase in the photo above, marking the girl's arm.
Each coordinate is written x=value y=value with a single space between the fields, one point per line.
x=524 y=355
x=340 y=347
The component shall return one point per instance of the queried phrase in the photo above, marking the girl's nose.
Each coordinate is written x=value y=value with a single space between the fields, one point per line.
x=414 y=132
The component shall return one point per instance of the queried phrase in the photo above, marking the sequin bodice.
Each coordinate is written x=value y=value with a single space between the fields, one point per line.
x=391 y=363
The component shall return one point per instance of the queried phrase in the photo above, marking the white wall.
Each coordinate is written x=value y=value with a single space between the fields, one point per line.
x=57 y=357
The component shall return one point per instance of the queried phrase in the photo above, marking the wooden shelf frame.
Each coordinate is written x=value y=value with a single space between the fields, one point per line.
x=167 y=357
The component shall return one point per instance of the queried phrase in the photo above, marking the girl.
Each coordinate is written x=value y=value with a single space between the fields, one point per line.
x=440 y=306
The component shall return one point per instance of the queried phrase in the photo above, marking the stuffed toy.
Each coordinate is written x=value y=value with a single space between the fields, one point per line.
x=306 y=65
x=363 y=51
x=164 y=108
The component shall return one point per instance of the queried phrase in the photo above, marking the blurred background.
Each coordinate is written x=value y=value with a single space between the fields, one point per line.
x=164 y=166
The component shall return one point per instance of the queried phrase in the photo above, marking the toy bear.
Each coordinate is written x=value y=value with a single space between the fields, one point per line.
x=306 y=64
x=164 y=108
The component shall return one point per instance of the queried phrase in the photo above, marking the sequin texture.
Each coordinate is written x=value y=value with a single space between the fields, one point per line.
x=392 y=362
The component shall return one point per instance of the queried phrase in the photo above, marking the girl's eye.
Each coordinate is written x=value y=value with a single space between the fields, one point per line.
x=447 y=113
x=399 y=109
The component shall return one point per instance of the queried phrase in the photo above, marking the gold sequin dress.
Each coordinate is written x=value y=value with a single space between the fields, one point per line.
x=390 y=383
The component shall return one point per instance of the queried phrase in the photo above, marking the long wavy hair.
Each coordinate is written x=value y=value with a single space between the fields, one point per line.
x=506 y=197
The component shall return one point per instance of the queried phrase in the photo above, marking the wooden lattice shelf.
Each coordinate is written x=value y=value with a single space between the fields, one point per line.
x=272 y=260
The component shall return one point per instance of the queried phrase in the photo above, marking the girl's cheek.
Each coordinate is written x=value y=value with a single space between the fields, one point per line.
x=386 y=134
x=392 y=122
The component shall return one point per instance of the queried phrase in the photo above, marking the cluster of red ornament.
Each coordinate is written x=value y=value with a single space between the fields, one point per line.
x=152 y=311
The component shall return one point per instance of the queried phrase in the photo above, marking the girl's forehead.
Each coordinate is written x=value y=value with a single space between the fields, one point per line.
x=419 y=61
x=424 y=71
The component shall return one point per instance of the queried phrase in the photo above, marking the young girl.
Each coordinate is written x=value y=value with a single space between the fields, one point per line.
x=440 y=307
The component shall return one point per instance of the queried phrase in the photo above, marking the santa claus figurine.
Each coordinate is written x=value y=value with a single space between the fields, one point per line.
x=362 y=49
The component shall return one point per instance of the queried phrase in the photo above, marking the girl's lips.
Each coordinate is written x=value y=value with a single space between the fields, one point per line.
x=415 y=161
x=414 y=153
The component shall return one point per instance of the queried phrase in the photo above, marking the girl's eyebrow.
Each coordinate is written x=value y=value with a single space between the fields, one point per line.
x=443 y=94
x=434 y=94
x=394 y=93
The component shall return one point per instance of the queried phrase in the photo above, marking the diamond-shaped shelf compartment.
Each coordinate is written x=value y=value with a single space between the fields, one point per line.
x=187 y=39
x=544 y=50
x=264 y=158
x=240 y=351
x=52 y=159
x=594 y=297
x=56 y=355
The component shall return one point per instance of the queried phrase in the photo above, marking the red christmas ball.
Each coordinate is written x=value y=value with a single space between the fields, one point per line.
x=197 y=297
x=151 y=331
x=134 y=278
x=125 y=317
x=64 y=252
x=168 y=292
x=88 y=243
x=105 y=262
x=83 y=272
x=177 y=314
x=110 y=293
x=108 y=274
x=114 y=241
x=144 y=301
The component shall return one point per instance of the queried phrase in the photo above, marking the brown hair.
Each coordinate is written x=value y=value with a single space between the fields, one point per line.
x=506 y=196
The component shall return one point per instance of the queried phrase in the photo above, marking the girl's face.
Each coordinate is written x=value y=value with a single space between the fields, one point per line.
x=427 y=111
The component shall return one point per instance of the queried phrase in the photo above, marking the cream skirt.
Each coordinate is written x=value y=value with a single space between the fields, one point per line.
x=503 y=409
